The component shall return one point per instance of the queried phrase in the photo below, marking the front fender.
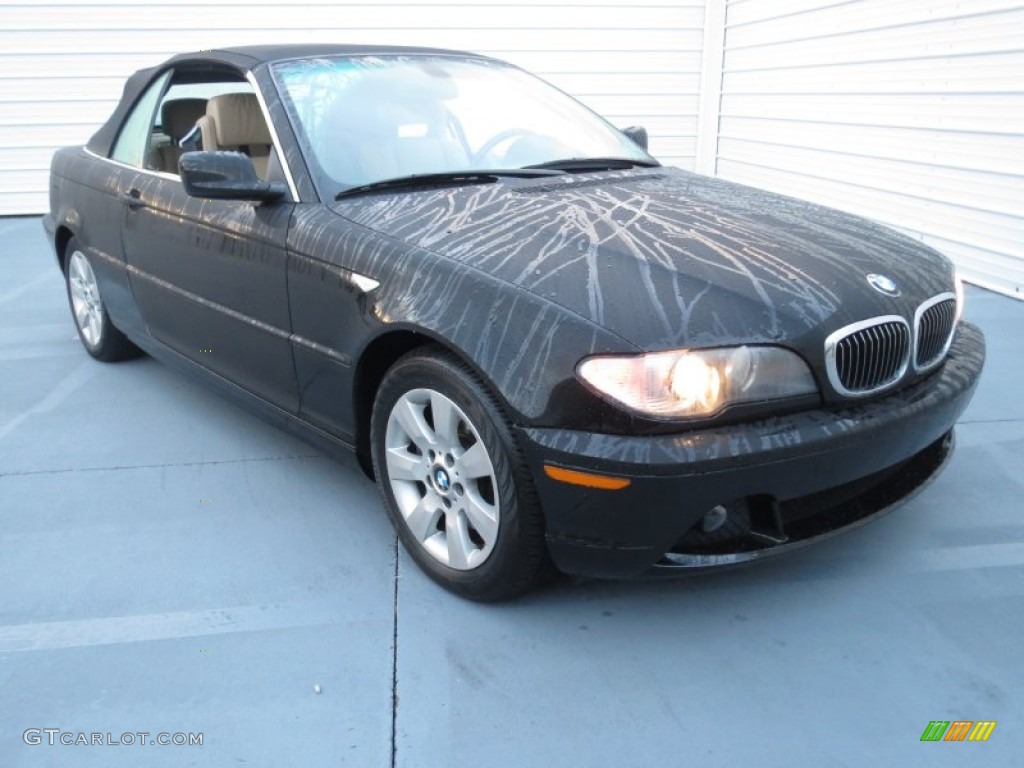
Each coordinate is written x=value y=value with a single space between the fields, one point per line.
x=524 y=345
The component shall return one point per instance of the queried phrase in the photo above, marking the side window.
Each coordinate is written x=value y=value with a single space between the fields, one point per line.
x=181 y=120
x=219 y=114
x=132 y=145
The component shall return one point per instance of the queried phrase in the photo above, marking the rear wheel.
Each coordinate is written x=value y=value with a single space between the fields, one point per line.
x=452 y=479
x=98 y=335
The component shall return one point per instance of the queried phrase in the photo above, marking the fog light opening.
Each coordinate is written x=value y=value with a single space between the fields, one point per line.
x=722 y=527
x=715 y=518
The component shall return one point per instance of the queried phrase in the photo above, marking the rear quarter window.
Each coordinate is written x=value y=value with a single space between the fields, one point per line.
x=132 y=145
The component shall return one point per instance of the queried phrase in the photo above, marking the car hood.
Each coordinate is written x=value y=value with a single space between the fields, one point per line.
x=665 y=258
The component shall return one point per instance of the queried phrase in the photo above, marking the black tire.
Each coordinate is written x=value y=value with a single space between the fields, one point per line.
x=515 y=559
x=97 y=333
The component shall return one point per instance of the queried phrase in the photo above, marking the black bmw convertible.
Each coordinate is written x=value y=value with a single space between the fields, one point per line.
x=546 y=347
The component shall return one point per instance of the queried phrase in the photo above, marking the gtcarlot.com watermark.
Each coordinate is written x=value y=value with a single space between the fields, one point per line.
x=56 y=736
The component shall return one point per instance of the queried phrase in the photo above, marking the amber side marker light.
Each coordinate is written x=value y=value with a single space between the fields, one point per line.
x=571 y=476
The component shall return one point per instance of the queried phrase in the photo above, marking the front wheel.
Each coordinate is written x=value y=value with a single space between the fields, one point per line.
x=98 y=335
x=452 y=479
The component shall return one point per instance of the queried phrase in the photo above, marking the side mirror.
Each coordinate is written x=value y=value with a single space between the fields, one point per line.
x=638 y=135
x=226 y=176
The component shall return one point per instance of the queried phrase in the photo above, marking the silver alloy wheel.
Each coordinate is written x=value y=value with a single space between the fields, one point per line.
x=442 y=478
x=85 y=299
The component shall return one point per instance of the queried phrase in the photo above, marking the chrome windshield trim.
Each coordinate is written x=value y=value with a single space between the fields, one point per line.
x=274 y=136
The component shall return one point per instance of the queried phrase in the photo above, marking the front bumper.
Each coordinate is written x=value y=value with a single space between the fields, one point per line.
x=799 y=478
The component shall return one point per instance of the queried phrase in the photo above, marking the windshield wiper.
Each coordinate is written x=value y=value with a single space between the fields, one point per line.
x=583 y=164
x=483 y=176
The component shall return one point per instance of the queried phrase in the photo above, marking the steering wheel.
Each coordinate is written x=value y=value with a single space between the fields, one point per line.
x=492 y=143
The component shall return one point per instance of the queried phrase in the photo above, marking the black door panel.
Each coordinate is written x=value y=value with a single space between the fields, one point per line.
x=210 y=280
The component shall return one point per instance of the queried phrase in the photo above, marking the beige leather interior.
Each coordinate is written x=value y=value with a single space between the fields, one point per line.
x=234 y=121
x=177 y=118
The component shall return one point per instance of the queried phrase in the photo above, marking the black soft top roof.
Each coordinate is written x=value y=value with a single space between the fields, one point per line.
x=251 y=56
x=244 y=58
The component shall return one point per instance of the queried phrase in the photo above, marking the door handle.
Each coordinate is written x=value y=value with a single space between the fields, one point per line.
x=132 y=198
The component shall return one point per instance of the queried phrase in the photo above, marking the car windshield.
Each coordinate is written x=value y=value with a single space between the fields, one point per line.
x=363 y=119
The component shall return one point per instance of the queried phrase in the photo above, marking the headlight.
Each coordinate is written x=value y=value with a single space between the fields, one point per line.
x=700 y=382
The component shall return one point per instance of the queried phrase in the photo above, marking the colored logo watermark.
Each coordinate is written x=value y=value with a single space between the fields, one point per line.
x=958 y=730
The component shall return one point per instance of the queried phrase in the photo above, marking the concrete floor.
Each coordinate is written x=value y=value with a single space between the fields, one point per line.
x=171 y=564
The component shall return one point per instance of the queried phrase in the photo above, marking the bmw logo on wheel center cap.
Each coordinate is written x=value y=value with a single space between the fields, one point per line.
x=442 y=480
x=883 y=284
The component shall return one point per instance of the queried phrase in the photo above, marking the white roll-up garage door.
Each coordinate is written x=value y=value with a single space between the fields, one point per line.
x=907 y=111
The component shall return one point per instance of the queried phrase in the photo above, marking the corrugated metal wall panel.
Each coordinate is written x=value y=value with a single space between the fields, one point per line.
x=907 y=111
x=62 y=64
